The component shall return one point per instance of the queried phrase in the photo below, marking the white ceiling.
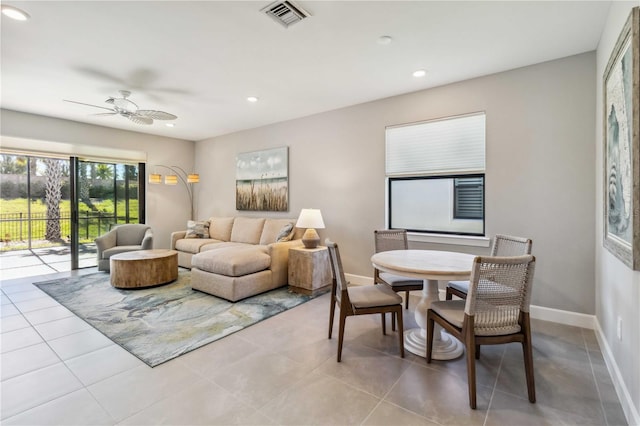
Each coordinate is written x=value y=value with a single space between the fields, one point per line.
x=200 y=60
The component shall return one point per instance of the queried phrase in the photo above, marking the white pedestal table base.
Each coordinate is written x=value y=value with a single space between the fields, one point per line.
x=445 y=346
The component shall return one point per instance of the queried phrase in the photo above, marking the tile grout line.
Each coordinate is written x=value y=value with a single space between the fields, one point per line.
x=46 y=342
x=495 y=385
x=384 y=399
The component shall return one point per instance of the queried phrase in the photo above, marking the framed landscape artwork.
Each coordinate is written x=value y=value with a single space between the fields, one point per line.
x=262 y=180
x=621 y=134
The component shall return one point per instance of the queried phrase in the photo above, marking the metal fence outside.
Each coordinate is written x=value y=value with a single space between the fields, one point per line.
x=20 y=227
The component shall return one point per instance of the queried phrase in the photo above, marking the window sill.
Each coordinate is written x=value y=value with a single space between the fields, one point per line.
x=456 y=240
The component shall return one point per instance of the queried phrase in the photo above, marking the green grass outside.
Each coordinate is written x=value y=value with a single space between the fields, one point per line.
x=90 y=226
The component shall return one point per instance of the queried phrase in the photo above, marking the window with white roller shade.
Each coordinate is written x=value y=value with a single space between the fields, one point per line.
x=435 y=175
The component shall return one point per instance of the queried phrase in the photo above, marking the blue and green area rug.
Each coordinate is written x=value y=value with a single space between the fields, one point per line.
x=160 y=323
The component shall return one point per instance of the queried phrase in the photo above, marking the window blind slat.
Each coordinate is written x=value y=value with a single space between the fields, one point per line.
x=450 y=145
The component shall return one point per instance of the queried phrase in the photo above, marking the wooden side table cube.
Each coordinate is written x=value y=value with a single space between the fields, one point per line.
x=309 y=270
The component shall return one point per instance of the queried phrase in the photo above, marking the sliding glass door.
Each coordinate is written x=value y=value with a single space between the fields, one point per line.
x=104 y=195
x=53 y=207
x=34 y=207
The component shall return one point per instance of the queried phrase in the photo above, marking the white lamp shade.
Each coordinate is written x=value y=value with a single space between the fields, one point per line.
x=310 y=218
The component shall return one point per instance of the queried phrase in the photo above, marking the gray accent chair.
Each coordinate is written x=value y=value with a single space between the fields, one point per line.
x=121 y=239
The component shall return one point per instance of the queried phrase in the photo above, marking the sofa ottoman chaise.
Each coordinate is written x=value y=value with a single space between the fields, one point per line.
x=233 y=273
x=243 y=256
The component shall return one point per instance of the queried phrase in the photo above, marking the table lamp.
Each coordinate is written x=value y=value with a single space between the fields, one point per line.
x=310 y=219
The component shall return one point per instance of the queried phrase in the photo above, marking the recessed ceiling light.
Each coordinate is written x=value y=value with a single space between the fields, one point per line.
x=169 y=124
x=384 y=40
x=419 y=73
x=252 y=99
x=14 y=13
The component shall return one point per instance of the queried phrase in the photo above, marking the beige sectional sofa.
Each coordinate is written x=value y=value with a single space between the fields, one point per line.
x=240 y=258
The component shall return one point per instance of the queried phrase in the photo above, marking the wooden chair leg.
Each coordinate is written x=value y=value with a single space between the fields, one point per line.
x=528 y=369
x=527 y=352
x=429 y=335
x=406 y=299
x=471 y=373
x=477 y=351
x=400 y=332
x=332 y=312
x=471 y=366
x=384 y=323
x=393 y=322
x=449 y=295
x=343 y=318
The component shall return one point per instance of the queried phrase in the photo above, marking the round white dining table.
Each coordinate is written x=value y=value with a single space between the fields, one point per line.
x=430 y=266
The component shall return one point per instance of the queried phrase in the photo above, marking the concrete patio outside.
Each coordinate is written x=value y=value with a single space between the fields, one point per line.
x=42 y=261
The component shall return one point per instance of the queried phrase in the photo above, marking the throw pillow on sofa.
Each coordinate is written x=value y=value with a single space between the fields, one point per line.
x=285 y=233
x=197 y=229
x=272 y=229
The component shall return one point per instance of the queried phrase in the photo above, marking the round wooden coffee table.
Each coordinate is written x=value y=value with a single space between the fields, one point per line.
x=143 y=268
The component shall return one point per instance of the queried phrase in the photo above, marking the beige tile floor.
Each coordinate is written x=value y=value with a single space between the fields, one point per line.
x=55 y=369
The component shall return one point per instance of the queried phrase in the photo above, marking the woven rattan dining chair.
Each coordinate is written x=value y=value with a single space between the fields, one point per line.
x=503 y=245
x=360 y=300
x=394 y=239
x=496 y=311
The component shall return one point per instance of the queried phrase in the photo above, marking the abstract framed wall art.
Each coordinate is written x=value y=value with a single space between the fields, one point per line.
x=621 y=135
x=262 y=180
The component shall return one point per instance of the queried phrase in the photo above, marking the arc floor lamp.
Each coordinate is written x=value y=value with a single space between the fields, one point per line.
x=177 y=173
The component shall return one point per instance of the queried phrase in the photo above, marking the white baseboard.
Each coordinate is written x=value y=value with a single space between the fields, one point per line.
x=358 y=279
x=630 y=410
x=575 y=319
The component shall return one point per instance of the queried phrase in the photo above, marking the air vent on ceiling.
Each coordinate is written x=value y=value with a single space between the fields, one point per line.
x=285 y=12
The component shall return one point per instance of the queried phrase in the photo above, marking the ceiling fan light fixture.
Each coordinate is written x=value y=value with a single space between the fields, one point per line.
x=125 y=104
x=129 y=109
x=15 y=13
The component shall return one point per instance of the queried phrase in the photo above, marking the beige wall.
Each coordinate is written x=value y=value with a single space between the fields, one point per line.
x=167 y=206
x=617 y=286
x=539 y=179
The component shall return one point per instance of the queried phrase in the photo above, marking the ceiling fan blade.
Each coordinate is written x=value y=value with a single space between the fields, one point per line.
x=138 y=119
x=106 y=113
x=82 y=103
x=156 y=115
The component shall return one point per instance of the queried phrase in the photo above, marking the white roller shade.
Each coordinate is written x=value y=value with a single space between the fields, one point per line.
x=441 y=146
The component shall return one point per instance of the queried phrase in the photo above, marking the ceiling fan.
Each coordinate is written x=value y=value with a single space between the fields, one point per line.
x=128 y=109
